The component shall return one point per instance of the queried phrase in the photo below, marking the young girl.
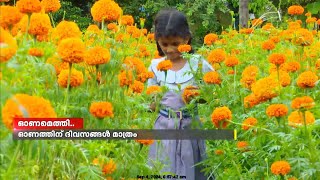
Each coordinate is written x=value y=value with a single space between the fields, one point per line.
x=179 y=156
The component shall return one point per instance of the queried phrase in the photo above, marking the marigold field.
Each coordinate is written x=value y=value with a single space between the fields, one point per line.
x=265 y=85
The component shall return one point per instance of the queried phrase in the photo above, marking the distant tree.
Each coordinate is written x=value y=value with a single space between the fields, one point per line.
x=243 y=13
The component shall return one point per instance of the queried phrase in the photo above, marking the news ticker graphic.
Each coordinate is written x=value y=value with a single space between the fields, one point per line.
x=47 y=123
x=125 y=134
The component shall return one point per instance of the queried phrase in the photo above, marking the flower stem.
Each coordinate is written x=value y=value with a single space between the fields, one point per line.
x=67 y=91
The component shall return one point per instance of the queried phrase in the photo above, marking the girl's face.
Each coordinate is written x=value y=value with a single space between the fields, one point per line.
x=169 y=46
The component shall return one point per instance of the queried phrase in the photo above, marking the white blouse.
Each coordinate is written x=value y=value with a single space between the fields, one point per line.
x=184 y=77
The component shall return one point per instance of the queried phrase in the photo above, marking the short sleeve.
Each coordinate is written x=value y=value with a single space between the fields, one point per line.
x=152 y=81
x=206 y=67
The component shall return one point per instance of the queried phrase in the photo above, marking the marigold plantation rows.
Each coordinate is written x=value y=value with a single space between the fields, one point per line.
x=265 y=85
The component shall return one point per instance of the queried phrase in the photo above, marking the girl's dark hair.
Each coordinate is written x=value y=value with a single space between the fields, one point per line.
x=171 y=22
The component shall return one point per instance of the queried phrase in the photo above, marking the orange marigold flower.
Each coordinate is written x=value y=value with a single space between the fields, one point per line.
x=292 y=178
x=23 y=105
x=277 y=110
x=307 y=79
x=125 y=78
x=36 y=52
x=277 y=58
x=29 y=6
x=112 y=26
x=318 y=22
x=303 y=37
x=285 y=79
x=268 y=45
x=189 y=93
x=296 y=118
x=153 y=90
x=105 y=10
x=220 y=116
x=39 y=24
x=71 y=50
x=51 y=6
x=231 y=61
x=9 y=16
x=101 y=109
x=218 y=152
x=58 y=64
x=268 y=27
x=302 y=102
x=209 y=39
x=308 y=14
x=127 y=20
x=184 y=48
x=143 y=76
x=137 y=86
x=249 y=76
x=275 y=39
x=212 y=77
x=217 y=56
x=292 y=66
x=164 y=65
x=8 y=46
x=230 y=72
x=295 y=10
x=250 y=101
x=146 y=142
x=109 y=168
x=66 y=29
x=242 y=145
x=93 y=29
x=248 y=123
x=97 y=55
x=265 y=88
x=150 y=36
x=311 y=20
x=280 y=168
x=76 y=78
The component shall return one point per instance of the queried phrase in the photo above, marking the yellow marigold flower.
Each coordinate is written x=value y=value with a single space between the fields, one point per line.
x=265 y=88
x=76 y=78
x=307 y=79
x=66 y=29
x=71 y=50
x=296 y=118
x=164 y=65
x=189 y=93
x=277 y=110
x=125 y=78
x=303 y=37
x=295 y=10
x=277 y=58
x=36 y=52
x=220 y=116
x=101 y=109
x=146 y=142
x=127 y=20
x=242 y=145
x=231 y=61
x=248 y=123
x=218 y=152
x=217 y=56
x=105 y=10
x=51 y=6
x=302 y=102
x=212 y=77
x=268 y=45
x=109 y=168
x=280 y=168
x=184 y=48
x=97 y=55
x=9 y=16
x=153 y=90
x=8 y=46
x=23 y=105
x=112 y=26
x=29 y=6
x=58 y=64
x=250 y=101
x=209 y=39
x=285 y=79
x=137 y=87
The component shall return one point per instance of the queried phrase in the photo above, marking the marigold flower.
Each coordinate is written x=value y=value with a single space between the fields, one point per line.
x=277 y=58
x=146 y=142
x=302 y=102
x=231 y=72
x=250 y=101
x=66 y=29
x=280 y=168
x=184 y=48
x=308 y=14
x=164 y=65
x=189 y=93
x=109 y=168
x=143 y=76
x=295 y=10
x=153 y=90
x=268 y=27
x=71 y=50
x=296 y=118
x=51 y=6
x=268 y=45
x=292 y=66
x=127 y=20
x=112 y=26
x=242 y=145
x=311 y=20
x=220 y=116
x=318 y=21
x=29 y=6
x=284 y=77
x=36 y=52
x=248 y=123
x=277 y=110
x=105 y=10
x=303 y=37
x=23 y=105
x=76 y=78
x=101 y=109
x=218 y=152
x=212 y=77
x=150 y=37
x=97 y=55
x=39 y=24
x=58 y=64
x=137 y=86
x=125 y=78
x=265 y=88
x=209 y=39
x=231 y=61
x=217 y=56
x=249 y=76
x=275 y=39
x=9 y=16
x=8 y=46
x=307 y=79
